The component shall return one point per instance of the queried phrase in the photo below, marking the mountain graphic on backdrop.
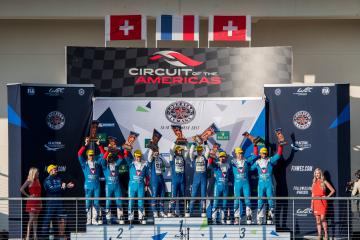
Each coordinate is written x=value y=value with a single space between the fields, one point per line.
x=110 y=126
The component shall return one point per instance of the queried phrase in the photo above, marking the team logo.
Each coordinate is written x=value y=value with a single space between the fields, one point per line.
x=180 y=112
x=30 y=91
x=302 y=120
x=175 y=59
x=303 y=91
x=55 y=120
x=54 y=92
x=81 y=92
x=53 y=146
x=277 y=91
x=325 y=91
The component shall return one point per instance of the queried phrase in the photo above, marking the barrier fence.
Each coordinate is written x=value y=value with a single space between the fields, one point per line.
x=292 y=215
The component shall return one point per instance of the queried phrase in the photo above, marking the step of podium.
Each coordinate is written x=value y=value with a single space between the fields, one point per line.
x=181 y=228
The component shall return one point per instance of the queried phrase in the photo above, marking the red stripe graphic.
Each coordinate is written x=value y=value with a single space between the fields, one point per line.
x=186 y=60
x=188 y=27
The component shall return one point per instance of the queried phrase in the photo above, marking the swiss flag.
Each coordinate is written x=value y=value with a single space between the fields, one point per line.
x=230 y=28
x=125 y=27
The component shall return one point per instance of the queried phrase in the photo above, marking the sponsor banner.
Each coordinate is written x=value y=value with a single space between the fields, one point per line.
x=46 y=126
x=232 y=116
x=181 y=72
x=315 y=123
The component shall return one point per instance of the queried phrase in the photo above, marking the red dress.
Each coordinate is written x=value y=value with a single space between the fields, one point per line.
x=320 y=206
x=34 y=206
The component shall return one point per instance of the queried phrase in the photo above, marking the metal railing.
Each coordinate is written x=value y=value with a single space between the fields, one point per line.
x=291 y=214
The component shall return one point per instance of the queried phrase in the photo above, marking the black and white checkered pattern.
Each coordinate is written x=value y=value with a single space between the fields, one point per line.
x=243 y=70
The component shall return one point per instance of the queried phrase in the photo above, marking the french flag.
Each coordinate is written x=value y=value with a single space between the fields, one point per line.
x=171 y=27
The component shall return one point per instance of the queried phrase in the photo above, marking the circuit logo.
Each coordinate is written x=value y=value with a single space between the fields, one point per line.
x=175 y=59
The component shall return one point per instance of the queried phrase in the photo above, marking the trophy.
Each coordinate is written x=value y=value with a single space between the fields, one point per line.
x=280 y=137
x=153 y=145
x=254 y=140
x=129 y=144
x=210 y=131
x=93 y=134
x=180 y=140
x=214 y=150
x=93 y=129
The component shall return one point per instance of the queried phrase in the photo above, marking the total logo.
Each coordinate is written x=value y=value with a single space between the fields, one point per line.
x=53 y=146
x=55 y=120
x=180 y=112
x=303 y=91
x=54 y=92
x=303 y=212
x=182 y=71
x=302 y=120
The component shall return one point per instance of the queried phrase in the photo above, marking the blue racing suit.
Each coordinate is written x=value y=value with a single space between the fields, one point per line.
x=91 y=170
x=240 y=168
x=54 y=208
x=177 y=164
x=265 y=171
x=157 y=182
x=200 y=165
x=138 y=172
x=112 y=188
x=221 y=172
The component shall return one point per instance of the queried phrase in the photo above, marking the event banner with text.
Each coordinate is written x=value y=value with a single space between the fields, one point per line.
x=315 y=120
x=179 y=72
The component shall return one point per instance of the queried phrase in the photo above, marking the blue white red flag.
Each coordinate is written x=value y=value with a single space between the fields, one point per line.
x=171 y=27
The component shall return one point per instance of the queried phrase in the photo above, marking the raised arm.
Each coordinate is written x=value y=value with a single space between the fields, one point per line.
x=150 y=156
x=274 y=159
x=127 y=157
x=80 y=157
x=172 y=152
x=192 y=151
x=207 y=150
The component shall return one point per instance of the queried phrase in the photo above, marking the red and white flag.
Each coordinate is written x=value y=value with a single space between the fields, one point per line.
x=230 y=28
x=125 y=27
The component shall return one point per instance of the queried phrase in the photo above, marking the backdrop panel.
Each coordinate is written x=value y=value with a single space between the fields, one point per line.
x=316 y=122
x=46 y=125
x=233 y=116
x=186 y=72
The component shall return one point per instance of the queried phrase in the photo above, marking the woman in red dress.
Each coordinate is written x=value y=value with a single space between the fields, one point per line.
x=33 y=207
x=319 y=206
